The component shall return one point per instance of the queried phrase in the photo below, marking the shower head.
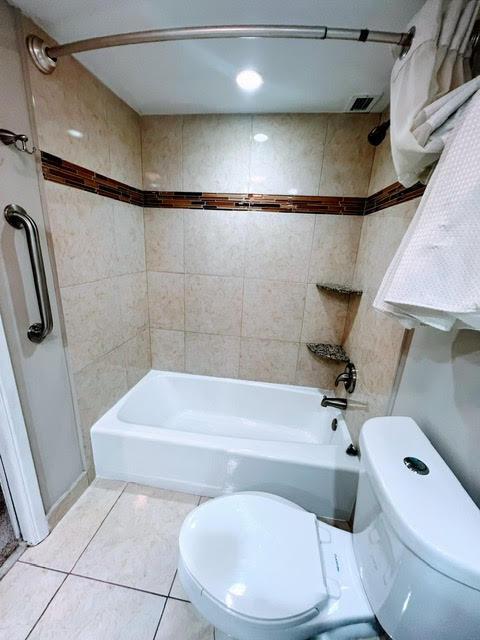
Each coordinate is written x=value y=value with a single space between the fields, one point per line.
x=378 y=133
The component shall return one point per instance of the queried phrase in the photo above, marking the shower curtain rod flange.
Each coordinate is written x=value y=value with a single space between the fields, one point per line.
x=45 y=57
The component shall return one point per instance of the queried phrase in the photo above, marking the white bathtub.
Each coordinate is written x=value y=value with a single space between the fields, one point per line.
x=211 y=436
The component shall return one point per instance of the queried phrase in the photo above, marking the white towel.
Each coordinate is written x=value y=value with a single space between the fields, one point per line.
x=434 y=278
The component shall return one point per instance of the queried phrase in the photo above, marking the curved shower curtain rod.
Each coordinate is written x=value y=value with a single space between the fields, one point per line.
x=45 y=57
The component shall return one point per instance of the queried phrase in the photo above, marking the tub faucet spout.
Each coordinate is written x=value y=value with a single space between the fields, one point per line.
x=337 y=403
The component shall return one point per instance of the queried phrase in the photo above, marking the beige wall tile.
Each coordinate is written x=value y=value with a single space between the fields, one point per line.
x=168 y=350
x=216 y=153
x=290 y=161
x=82 y=226
x=129 y=238
x=348 y=157
x=278 y=246
x=273 y=309
x=162 y=152
x=98 y=386
x=132 y=303
x=213 y=304
x=164 y=239
x=166 y=299
x=374 y=340
x=93 y=321
x=138 y=358
x=81 y=120
x=212 y=355
x=215 y=242
x=268 y=360
x=315 y=372
x=325 y=314
x=383 y=171
x=334 y=249
x=124 y=142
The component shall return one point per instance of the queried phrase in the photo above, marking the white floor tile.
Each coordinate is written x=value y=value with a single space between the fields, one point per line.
x=137 y=544
x=89 y=610
x=62 y=548
x=181 y=621
x=177 y=590
x=25 y=591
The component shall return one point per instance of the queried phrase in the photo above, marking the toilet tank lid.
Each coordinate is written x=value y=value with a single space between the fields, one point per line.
x=432 y=514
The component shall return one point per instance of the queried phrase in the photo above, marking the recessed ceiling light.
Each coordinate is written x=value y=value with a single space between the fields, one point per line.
x=260 y=137
x=249 y=80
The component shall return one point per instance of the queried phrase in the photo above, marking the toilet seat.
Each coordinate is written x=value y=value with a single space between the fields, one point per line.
x=259 y=567
x=238 y=546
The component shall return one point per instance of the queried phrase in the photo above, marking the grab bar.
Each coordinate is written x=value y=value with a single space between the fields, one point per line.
x=19 y=218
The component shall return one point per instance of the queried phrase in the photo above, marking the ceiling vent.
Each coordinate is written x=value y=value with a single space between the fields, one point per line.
x=361 y=104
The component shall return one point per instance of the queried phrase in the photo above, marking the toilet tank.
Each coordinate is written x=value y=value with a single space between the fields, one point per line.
x=416 y=536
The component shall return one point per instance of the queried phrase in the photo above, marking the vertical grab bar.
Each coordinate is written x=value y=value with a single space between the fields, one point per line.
x=19 y=218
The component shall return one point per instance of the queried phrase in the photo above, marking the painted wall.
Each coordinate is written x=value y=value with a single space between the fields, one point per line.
x=98 y=243
x=40 y=370
x=440 y=389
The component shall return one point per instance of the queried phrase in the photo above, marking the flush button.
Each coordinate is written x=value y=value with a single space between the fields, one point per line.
x=416 y=465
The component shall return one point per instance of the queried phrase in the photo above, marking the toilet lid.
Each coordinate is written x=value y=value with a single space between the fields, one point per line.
x=256 y=554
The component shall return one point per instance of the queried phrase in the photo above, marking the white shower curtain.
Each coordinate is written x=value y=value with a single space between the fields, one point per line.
x=436 y=64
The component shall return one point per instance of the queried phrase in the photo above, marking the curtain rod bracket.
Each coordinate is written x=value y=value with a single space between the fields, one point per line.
x=45 y=57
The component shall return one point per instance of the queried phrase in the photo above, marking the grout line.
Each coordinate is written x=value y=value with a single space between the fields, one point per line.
x=160 y=619
x=41 y=566
x=118 y=584
x=323 y=154
x=47 y=606
x=99 y=526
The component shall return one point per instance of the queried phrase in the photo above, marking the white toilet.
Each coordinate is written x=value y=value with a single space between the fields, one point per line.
x=259 y=567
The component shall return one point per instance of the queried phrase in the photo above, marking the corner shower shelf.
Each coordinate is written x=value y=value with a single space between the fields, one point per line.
x=328 y=351
x=338 y=288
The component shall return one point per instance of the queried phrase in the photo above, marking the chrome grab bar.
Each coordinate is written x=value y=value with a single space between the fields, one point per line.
x=19 y=218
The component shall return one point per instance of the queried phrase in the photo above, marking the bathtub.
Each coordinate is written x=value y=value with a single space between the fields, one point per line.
x=211 y=436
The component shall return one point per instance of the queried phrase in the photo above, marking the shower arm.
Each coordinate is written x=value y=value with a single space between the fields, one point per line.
x=45 y=57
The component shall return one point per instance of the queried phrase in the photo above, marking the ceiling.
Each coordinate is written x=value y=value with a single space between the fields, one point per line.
x=199 y=76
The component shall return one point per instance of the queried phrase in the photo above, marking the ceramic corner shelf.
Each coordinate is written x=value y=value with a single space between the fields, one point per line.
x=328 y=351
x=338 y=288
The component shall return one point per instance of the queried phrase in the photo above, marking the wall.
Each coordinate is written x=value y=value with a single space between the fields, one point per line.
x=40 y=369
x=373 y=340
x=98 y=243
x=232 y=293
x=440 y=389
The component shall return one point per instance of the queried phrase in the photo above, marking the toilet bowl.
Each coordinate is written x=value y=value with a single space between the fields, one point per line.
x=259 y=567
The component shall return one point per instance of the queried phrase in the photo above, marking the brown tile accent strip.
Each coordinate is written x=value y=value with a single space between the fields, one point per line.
x=58 y=170
x=254 y=202
x=392 y=195
x=73 y=175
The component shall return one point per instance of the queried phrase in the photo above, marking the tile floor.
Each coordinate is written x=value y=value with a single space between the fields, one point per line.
x=106 y=572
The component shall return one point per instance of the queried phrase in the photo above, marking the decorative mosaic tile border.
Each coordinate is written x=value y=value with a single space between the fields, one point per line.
x=58 y=170
x=392 y=195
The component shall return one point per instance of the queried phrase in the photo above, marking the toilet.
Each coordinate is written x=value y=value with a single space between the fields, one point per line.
x=259 y=567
